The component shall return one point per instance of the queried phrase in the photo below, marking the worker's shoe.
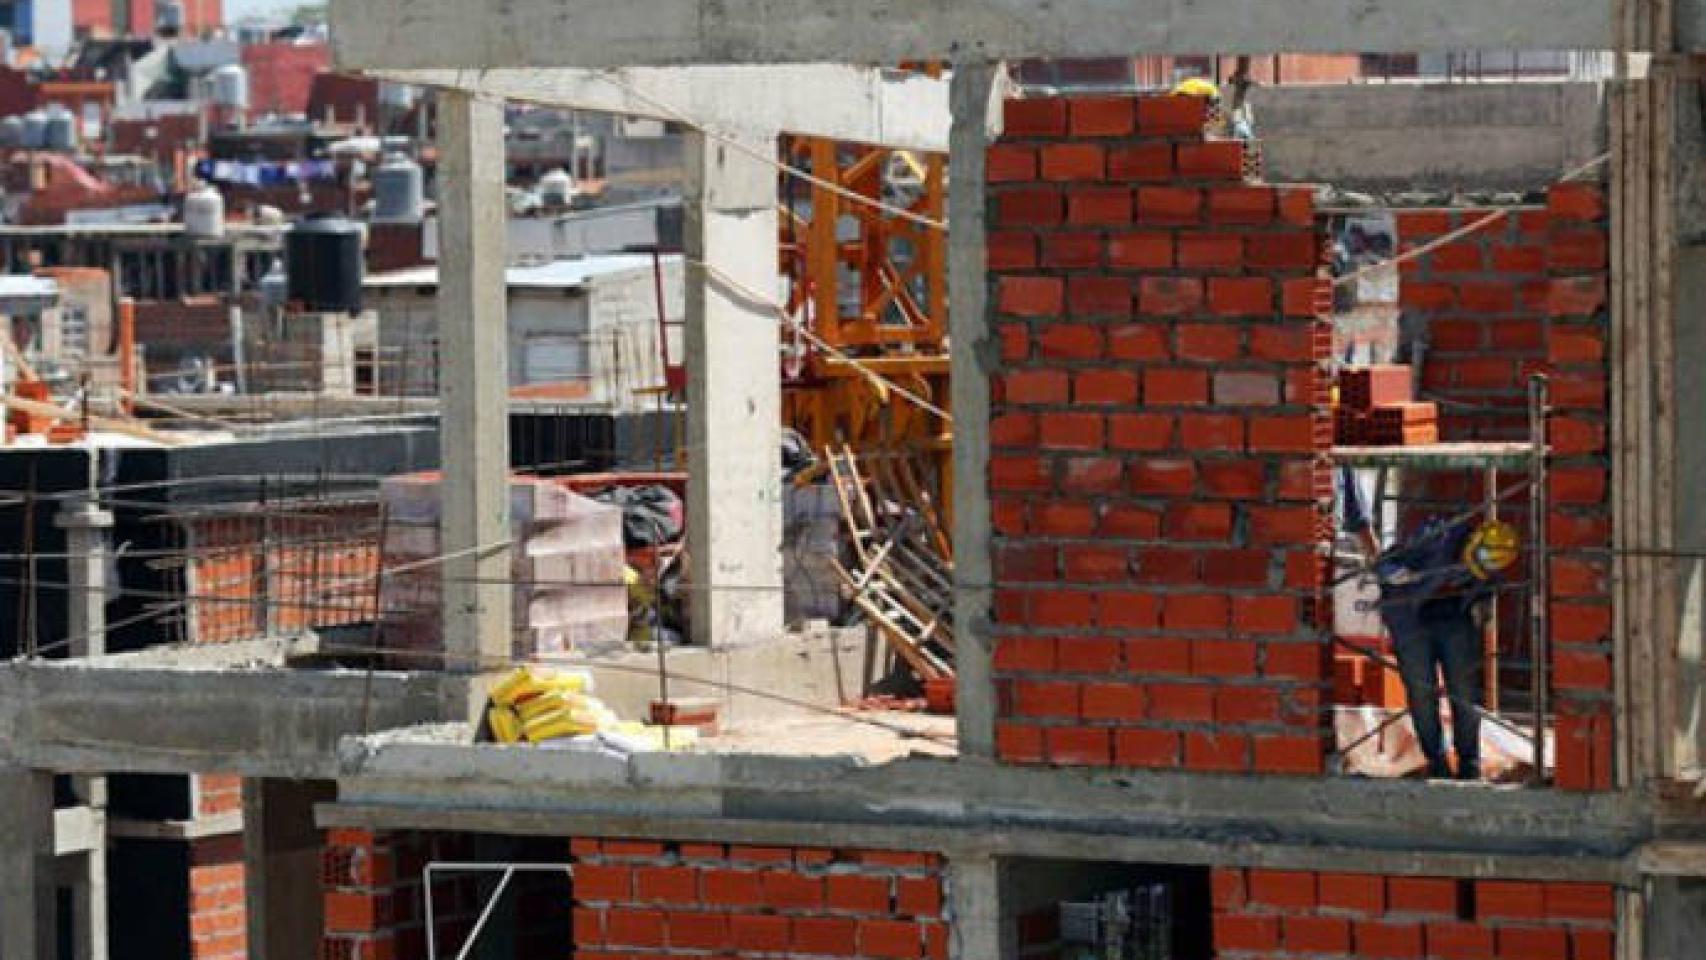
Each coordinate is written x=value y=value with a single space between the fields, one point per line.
x=1468 y=771
x=1439 y=769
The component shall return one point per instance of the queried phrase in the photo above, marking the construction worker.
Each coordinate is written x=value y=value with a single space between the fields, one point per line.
x=1435 y=590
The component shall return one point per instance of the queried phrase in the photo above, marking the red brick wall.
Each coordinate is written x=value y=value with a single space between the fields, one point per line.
x=633 y=899
x=1523 y=296
x=374 y=903
x=1263 y=914
x=1157 y=431
x=218 y=917
x=637 y=899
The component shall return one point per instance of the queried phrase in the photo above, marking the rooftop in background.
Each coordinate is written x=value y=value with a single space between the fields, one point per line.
x=559 y=274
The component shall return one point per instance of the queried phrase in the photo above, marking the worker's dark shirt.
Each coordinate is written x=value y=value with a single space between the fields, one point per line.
x=1424 y=577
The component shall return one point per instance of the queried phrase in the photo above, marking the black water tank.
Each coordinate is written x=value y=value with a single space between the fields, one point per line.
x=323 y=258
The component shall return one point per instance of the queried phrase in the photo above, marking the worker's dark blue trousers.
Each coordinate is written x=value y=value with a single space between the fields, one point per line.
x=1428 y=647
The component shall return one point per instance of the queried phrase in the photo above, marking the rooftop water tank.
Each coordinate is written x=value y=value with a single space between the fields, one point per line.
x=35 y=129
x=275 y=285
x=556 y=188
x=230 y=87
x=399 y=190
x=204 y=212
x=325 y=265
x=396 y=96
x=60 y=129
x=168 y=17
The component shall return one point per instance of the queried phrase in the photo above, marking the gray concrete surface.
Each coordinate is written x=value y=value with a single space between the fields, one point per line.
x=1435 y=136
x=847 y=103
x=426 y=782
x=734 y=392
x=83 y=718
x=474 y=387
x=616 y=33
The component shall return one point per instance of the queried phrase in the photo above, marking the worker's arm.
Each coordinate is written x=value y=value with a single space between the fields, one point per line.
x=1356 y=516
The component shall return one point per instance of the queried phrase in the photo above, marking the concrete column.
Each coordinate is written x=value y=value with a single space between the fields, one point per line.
x=974 y=899
x=973 y=350
x=1689 y=408
x=281 y=864
x=734 y=394
x=473 y=387
x=86 y=525
x=29 y=921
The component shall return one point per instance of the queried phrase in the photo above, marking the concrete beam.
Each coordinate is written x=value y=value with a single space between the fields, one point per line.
x=1004 y=811
x=488 y=35
x=473 y=307
x=734 y=394
x=855 y=104
x=82 y=717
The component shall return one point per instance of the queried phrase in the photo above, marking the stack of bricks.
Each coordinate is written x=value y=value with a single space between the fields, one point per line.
x=1376 y=408
x=646 y=899
x=1159 y=424
x=218 y=912
x=1274 y=914
x=1526 y=295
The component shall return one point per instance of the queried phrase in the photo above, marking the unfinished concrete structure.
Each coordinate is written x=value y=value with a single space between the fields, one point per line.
x=740 y=853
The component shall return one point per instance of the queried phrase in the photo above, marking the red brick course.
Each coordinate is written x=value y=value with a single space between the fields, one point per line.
x=798 y=901
x=1157 y=424
x=1273 y=914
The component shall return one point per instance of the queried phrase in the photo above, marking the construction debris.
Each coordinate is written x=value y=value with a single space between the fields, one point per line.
x=900 y=577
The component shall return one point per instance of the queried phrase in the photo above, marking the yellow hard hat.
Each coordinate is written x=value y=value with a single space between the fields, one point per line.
x=1197 y=87
x=1491 y=549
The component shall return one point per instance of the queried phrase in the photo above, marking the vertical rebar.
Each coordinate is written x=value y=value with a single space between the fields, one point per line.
x=1539 y=589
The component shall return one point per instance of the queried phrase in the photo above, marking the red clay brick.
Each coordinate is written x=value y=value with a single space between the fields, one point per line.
x=1019 y=744
x=1169 y=296
x=1253 y=933
x=1253 y=206
x=1241 y=296
x=603 y=882
x=1509 y=900
x=1357 y=893
x=1041 y=117
x=1174 y=386
x=1312 y=935
x=1159 y=656
x=635 y=928
x=1088 y=654
x=1423 y=896
x=1099 y=205
x=900 y=939
x=1377 y=939
x=1591 y=944
x=1169 y=115
x=700 y=931
x=1038 y=386
x=1146 y=748
x=1207 y=341
x=1090 y=296
x=1181 y=702
x=856 y=893
x=1150 y=162
x=1533 y=943
x=1031 y=296
x=1074 y=162
x=1036 y=206
x=1168 y=206
x=1286 y=889
x=1045 y=698
x=1198 y=521
x=826 y=936
x=1459 y=941
x=759 y=933
x=1295 y=250
x=1211 y=160
x=1217 y=752
x=791 y=891
x=1078 y=745
x=1140 y=431
x=1112 y=701
x=1580 y=901
x=1137 y=341
x=919 y=896
x=1010 y=163
x=1222 y=658
x=1105 y=387
x=1281 y=753
x=1066 y=250
x=1580 y=202
x=1101 y=116
x=1241 y=388
x=673 y=885
x=1140 y=250
x=1210 y=250
x=1186 y=611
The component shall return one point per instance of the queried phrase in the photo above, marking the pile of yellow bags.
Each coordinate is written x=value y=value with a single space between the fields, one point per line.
x=536 y=704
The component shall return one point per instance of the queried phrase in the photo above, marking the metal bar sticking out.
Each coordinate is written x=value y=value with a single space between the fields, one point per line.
x=485 y=914
x=509 y=870
x=1539 y=591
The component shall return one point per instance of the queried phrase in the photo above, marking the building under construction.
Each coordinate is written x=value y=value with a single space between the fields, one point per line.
x=1178 y=482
